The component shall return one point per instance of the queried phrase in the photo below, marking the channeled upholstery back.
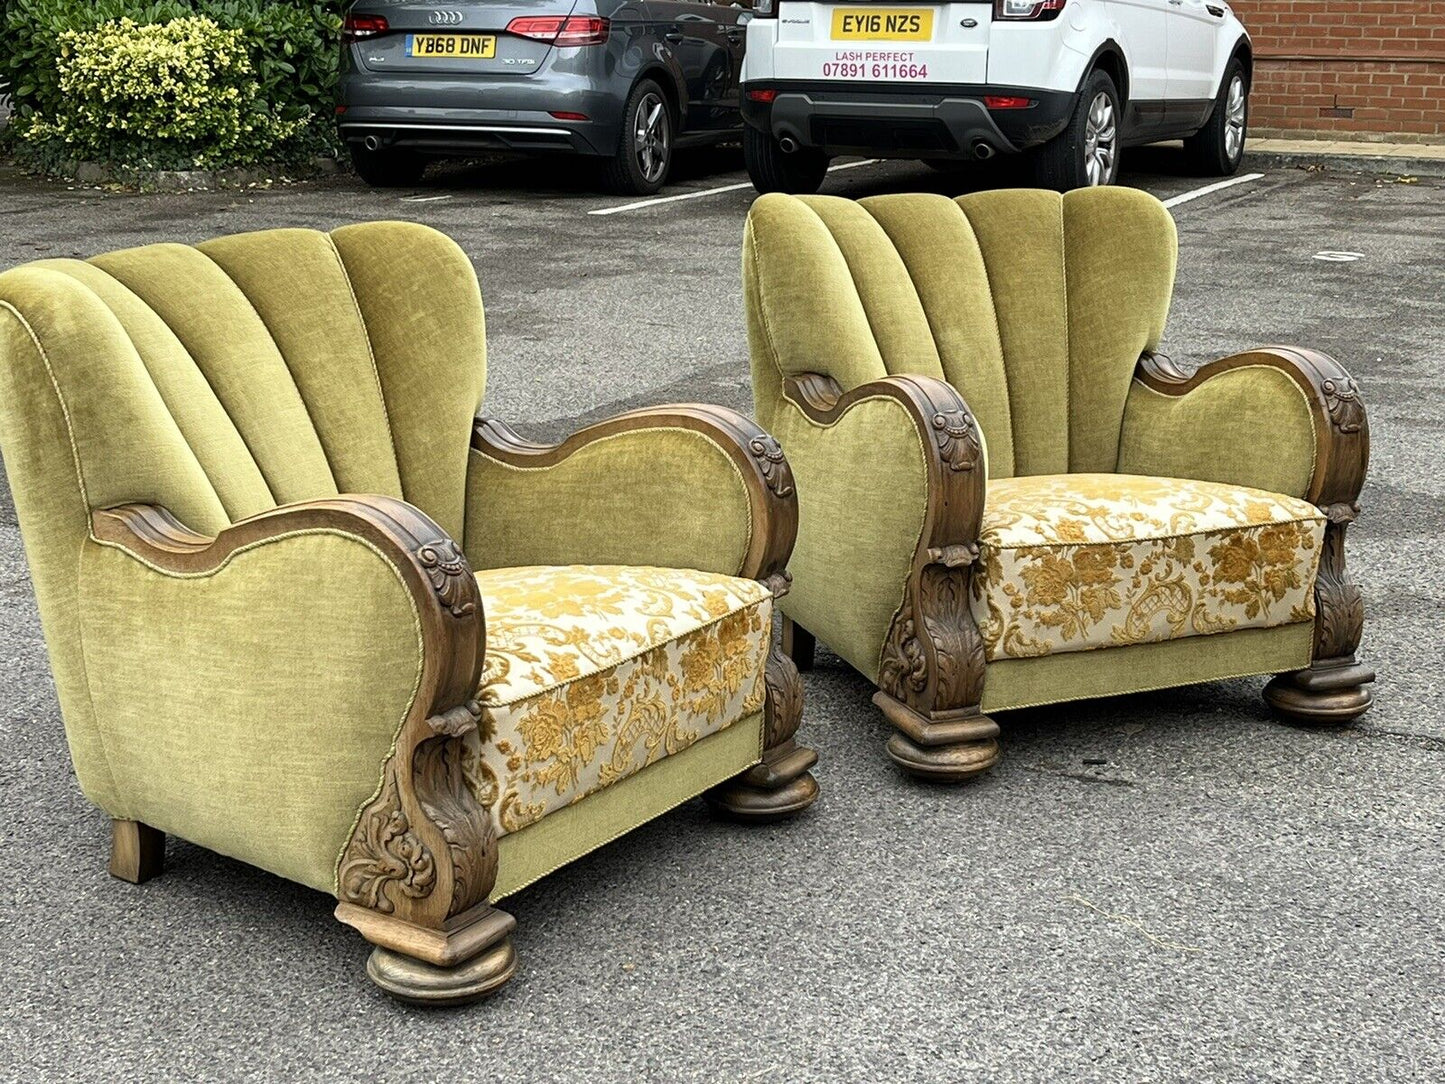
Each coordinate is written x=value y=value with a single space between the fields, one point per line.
x=221 y=380
x=1034 y=306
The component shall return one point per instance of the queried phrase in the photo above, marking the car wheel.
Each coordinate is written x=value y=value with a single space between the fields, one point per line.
x=771 y=169
x=387 y=168
x=1217 y=149
x=644 y=153
x=1085 y=153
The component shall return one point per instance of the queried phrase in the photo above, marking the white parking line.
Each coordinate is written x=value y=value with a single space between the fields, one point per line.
x=708 y=192
x=423 y=199
x=1175 y=201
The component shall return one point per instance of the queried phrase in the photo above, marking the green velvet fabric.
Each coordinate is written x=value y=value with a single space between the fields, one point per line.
x=862 y=492
x=418 y=295
x=1250 y=426
x=1035 y=306
x=1076 y=675
x=568 y=834
x=251 y=710
x=270 y=736
x=666 y=497
x=218 y=381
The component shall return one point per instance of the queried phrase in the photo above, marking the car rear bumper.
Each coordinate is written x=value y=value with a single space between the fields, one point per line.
x=454 y=117
x=906 y=121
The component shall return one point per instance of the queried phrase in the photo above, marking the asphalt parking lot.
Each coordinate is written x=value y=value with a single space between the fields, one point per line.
x=1168 y=886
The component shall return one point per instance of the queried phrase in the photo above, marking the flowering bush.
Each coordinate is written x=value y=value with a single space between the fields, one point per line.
x=181 y=93
x=170 y=83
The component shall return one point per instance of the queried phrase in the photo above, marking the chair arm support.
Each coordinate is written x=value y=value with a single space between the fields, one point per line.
x=421 y=850
x=582 y=500
x=932 y=659
x=1329 y=394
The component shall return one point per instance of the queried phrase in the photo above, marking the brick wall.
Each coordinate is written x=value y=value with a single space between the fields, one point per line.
x=1348 y=69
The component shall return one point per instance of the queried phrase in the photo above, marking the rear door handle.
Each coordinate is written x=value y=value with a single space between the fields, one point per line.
x=673 y=36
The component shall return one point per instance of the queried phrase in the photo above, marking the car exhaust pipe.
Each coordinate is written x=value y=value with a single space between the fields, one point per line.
x=982 y=151
x=372 y=143
x=788 y=144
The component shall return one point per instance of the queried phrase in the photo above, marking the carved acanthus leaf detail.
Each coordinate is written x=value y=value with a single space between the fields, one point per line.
x=783 y=709
x=1339 y=606
x=771 y=461
x=386 y=856
x=462 y=821
x=451 y=577
x=1343 y=512
x=1342 y=400
x=948 y=634
x=957 y=439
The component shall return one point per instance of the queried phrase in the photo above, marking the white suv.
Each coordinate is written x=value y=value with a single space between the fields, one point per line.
x=1070 y=81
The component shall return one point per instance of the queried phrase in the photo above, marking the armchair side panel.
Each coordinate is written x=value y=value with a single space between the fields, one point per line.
x=250 y=709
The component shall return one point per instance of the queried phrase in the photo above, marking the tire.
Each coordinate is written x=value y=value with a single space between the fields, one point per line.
x=771 y=170
x=1217 y=149
x=644 y=150
x=394 y=168
x=1087 y=151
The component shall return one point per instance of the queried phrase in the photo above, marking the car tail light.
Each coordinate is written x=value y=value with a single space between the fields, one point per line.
x=1040 y=10
x=561 y=30
x=360 y=27
x=762 y=95
x=1006 y=101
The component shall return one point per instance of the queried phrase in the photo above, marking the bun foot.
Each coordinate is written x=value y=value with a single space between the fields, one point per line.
x=1331 y=693
x=418 y=983
x=779 y=787
x=943 y=763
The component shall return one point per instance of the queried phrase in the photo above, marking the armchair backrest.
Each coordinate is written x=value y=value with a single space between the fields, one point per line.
x=221 y=380
x=1035 y=306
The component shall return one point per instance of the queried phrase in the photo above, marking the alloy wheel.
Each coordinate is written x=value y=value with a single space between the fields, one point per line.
x=1234 y=118
x=652 y=138
x=1101 y=138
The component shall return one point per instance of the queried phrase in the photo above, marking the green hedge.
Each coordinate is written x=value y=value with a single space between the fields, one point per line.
x=286 y=81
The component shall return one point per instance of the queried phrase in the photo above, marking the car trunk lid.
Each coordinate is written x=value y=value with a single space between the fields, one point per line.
x=895 y=42
x=461 y=38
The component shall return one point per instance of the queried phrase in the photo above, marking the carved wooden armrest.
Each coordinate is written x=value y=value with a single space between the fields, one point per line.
x=422 y=859
x=1342 y=455
x=932 y=668
x=953 y=451
x=772 y=501
x=1342 y=431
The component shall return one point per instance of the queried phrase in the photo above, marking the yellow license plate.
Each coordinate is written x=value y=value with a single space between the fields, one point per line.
x=882 y=24
x=451 y=46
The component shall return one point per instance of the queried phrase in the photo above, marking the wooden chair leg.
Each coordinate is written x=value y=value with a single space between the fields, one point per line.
x=137 y=851
x=783 y=783
x=798 y=644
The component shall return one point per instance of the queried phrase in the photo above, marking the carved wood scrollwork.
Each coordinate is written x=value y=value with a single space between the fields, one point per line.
x=386 y=859
x=448 y=571
x=934 y=657
x=783 y=709
x=957 y=438
x=1339 y=606
x=1342 y=400
x=774 y=466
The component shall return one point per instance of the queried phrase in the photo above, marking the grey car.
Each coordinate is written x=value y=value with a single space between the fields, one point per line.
x=625 y=81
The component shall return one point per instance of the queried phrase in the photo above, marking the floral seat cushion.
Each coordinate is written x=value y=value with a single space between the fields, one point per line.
x=1073 y=562
x=594 y=672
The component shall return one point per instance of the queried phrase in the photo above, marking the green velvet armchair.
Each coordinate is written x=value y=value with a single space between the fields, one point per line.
x=253 y=491
x=1009 y=498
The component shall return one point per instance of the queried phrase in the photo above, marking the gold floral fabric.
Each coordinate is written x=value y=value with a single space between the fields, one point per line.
x=594 y=672
x=1079 y=561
